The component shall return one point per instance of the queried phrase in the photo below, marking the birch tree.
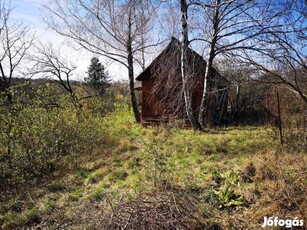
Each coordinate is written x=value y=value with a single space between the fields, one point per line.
x=229 y=28
x=184 y=71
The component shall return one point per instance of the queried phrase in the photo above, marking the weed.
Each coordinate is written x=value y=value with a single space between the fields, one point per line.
x=230 y=177
x=226 y=194
x=227 y=197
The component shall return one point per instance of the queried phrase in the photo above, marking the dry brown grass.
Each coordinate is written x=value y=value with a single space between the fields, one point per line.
x=281 y=187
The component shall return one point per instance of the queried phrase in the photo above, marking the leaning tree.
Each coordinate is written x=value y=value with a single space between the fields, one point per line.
x=228 y=29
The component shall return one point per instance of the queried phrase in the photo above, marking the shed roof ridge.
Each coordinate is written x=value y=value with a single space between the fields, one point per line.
x=174 y=41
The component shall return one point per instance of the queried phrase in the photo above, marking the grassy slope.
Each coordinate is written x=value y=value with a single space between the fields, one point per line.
x=144 y=163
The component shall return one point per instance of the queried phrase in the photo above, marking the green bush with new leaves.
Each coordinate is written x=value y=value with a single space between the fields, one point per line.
x=39 y=128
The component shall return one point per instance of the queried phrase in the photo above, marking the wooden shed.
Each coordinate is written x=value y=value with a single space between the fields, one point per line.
x=162 y=95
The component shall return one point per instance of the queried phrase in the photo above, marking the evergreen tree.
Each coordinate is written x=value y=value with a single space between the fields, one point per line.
x=97 y=77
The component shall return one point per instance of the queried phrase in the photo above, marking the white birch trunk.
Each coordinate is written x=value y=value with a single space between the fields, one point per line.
x=185 y=83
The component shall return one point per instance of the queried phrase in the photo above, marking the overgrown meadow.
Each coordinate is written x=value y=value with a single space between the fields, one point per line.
x=90 y=166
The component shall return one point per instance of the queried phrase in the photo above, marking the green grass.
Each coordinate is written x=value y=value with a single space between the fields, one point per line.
x=155 y=159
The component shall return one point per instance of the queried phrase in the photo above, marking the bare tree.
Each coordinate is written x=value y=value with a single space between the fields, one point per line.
x=238 y=76
x=48 y=62
x=15 y=42
x=285 y=62
x=229 y=27
x=185 y=74
x=144 y=11
x=110 y=28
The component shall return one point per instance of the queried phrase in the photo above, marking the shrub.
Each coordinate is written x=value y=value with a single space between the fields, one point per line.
x=39 y=129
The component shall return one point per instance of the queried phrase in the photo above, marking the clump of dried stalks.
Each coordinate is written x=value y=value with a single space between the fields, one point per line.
x=162 y=210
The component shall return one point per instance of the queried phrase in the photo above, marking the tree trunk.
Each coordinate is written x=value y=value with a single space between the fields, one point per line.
x=279 y=119
x=235 y=109
x=203 y=120
x=131 y=73
x=186 y=87
x=143 y=52
x=8 y=93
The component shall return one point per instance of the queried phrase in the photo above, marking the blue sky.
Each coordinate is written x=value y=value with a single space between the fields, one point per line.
x=27 y=11
x=30 y=13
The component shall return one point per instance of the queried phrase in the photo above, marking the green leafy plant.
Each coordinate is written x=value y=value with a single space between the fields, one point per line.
x=230 y=177
x=227 y=197
x=226 y=194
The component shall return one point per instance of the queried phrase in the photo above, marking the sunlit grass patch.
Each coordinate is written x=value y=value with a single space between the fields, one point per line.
x=75 y=195
x=156 y=160
x=97 y=176
x=13 y=219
